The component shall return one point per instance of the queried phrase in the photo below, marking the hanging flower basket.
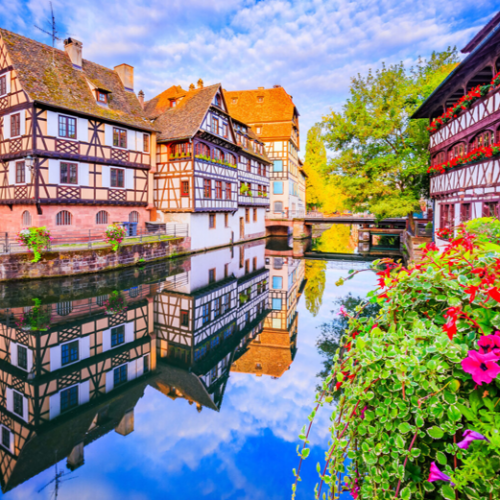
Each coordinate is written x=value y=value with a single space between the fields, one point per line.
x=36 y=239
x=115 y=234
x=38 y=318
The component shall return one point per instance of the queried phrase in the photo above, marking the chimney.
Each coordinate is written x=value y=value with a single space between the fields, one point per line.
x=74 y=50
x=140 y=96
x=260 y=88
x=126 y=74
x=191 y=87
x=277 y=86
x=200 y=83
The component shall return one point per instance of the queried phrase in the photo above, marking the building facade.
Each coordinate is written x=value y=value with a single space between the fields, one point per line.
x=212 y=172
x=75 y=145
x=462 y=186
x=275 y=120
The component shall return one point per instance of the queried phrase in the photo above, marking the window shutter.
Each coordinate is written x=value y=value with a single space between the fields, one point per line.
x=22 y=122
x=84 y=347
x=12 y=172
x=30 y=360
x=129 y=178
x=27 y=174
x=105 y=177
x=110 y=384
x=83 y=174
x=84 y=392
x=82 y=129
x=55 y=358
x=52 y=124
x=131 y=370
x=106 y=340
x=140 y=366
x=6 y=126
x=26 y=416
x=10 y=399
x=108 y=135
x=54 y=405
x=13 y=353
x=54 y=172
x=129 y=331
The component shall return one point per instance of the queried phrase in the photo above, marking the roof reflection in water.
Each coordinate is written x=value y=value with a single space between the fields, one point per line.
x=77 y=354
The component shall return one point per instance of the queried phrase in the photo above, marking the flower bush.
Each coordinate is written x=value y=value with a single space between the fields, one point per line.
x=464 y=102
x=37 y=318
x=114 y=235
x=115 y=303
x=444 y=233
x=418 y=386
x=481 y=153
x=214 y=160
x=36 y=239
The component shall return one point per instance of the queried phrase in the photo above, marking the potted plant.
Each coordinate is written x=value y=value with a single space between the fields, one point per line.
x=37 y=318
x=36 y=239
x=115 y=304
x=115 y=235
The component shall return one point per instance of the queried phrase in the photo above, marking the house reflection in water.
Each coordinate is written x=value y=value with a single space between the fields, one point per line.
x=273 y=350
x=72 y=371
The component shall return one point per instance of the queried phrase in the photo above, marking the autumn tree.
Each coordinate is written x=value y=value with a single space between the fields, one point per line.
x=381 y=154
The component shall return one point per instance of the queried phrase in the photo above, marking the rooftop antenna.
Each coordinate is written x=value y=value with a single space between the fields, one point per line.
x=57 y=480
x=53 y=31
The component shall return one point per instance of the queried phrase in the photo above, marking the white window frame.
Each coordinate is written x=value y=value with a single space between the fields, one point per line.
x=7 y=83
x=11 y=442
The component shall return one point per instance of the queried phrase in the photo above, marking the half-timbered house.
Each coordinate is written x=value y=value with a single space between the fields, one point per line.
x=75 y=145
x=199 y=165
x=275 y=120
x=465 y=175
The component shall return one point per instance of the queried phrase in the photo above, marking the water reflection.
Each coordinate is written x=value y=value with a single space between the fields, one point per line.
x=76 y=355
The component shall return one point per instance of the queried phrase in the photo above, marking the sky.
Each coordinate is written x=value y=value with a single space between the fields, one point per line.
x=312 y=48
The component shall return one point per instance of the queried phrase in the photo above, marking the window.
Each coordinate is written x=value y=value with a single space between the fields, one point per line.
x=260 y=98
x=22 y=357
x=211 y=221
x=228 y=190
x=490 y=209
x=482 y=139
x=277 y=282
x=226 y=220
x=18 y=404
x=259 y=130
x=207 y=188
x=69 y=173
x=215 y=125
x=205 y=314
x=254 y=264
x=247 y=215
x=69 y=398
x=225 y=298
x=102 y=97
x=217 y=307
x=180 y=149
x=457 y=151
x=64 y=218
x=102 y=217
x=6 y=435
x=26 y=219
x=146 y=364
x=277 y=304
x=249 y=166
x=465 y=212
x=211 y=275
x=133 y=216
x=218 y=190
x=218 y=155
x=202 y=150
x=217 y=100
x=247 y=266
x=184 y=188
x=117 y=335
x=226 y=270
x=119 y=138
x=184 y=318
x=67 y=127
x=439 y=158
x=117 y=178
x=3 y=85
x=101 y=299
x=20 y=172
x=234 y=100
x=231 y=159
x=64 y=308
x=278 y=263
x=225 y=129
x=15 y=125
x=69 y=352
x=120 y=375
x=255 y=215
x=134 y=292
x=145 y=143
x=277 y=187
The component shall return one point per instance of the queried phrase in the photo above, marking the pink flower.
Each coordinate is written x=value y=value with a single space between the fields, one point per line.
x=470 y=436
x=437 y=475
x=362 y=414
x=343 y=311
x=482 y=367
x=490 y=343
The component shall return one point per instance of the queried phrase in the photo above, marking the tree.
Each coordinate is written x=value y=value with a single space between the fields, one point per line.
x=315 y=286
x=382 y=155
x=323 y=188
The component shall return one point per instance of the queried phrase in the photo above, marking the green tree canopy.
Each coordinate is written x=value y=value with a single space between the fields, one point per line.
x=382 y=155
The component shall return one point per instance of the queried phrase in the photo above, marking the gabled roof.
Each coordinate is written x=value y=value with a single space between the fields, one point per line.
x=185 y=119
x=48 y=77
x=481 y=35
x=251 y=135
x=276 y=105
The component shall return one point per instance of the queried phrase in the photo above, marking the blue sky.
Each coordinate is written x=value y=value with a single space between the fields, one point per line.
x=312 y=47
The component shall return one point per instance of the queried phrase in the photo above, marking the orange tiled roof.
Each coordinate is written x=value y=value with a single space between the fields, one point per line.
x=185 y=119
x=277 y=105
x=48 y=77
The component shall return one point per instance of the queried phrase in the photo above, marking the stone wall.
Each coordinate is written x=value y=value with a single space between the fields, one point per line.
x=55 y=264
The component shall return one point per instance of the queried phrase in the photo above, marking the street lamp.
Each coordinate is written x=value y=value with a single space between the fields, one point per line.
x=29 y=162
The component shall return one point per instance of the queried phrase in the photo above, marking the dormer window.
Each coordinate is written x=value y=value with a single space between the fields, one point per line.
x=173 y=103
x=102 y=97
x=260 y=98
x=234 y=100
x=217 y=100
x=259 y=130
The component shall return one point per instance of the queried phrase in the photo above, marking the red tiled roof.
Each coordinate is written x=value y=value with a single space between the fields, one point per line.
x=48 y=77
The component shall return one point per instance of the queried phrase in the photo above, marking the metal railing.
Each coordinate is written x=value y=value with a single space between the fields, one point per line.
x=95 y=239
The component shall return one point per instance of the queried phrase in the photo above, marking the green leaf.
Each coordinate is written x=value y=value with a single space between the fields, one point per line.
x=454 y=413
x=448 y=492
x=435 y=432
x=441 y=458
x=405 y=493
x=404 y=427
x=305 y=452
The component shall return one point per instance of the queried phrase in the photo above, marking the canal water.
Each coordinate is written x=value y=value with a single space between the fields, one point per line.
x=183 y=379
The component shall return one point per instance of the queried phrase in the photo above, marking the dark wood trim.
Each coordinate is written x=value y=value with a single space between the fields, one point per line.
x=6 y=70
